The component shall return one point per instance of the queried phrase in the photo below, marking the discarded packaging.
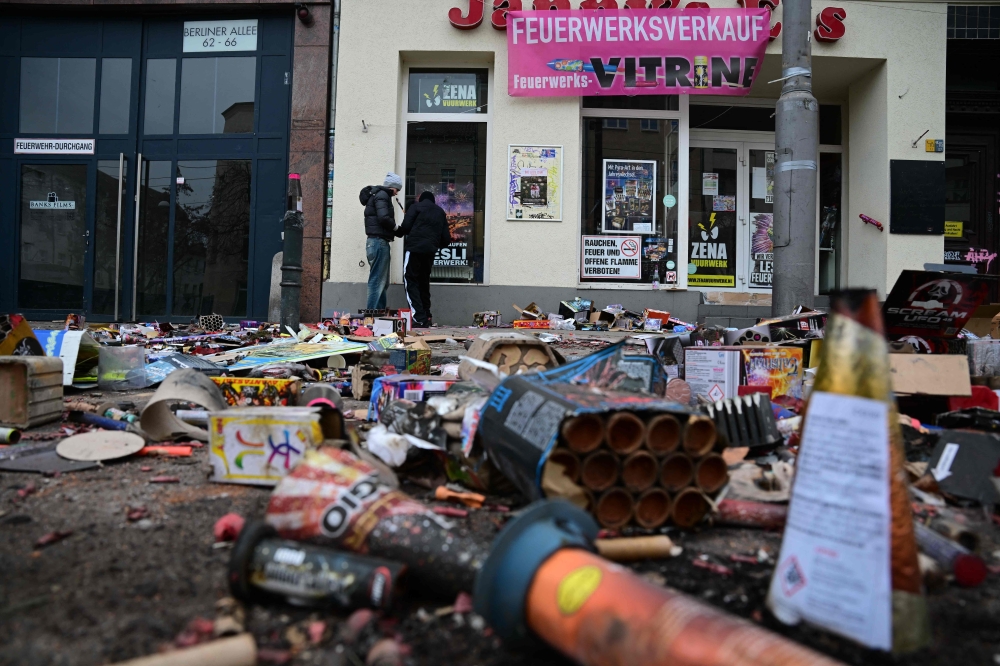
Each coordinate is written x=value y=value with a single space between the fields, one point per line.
x=510 y=352
x=969 y=570
x=258 y=392
x=264 y=568
x=746 y=420
x=541 y=579
x=185 y=387
x=121 y=368
x=78 y=351
x=260 y=445
x=100 y=445
x=10 y=435
x=333 y=498
x=33 y=390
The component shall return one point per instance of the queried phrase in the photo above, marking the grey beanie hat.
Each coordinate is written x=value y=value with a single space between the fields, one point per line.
x=392 y=180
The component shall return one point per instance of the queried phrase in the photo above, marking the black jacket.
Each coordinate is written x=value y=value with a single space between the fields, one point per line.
x=380 y=220
x=425 y=226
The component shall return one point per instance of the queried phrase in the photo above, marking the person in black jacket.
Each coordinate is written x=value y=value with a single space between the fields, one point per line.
x=425 y=227
x=380 y=227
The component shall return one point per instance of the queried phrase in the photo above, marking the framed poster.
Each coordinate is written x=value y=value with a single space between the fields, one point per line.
x=534 y=189
x=629 y=196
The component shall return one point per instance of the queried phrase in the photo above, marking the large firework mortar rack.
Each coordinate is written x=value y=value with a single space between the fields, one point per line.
x=627 y=457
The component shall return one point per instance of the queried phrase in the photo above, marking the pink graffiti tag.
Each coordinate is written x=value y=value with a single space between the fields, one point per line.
x=978 y=256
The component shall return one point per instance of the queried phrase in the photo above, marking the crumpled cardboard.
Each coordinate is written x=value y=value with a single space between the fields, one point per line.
x=511 y=353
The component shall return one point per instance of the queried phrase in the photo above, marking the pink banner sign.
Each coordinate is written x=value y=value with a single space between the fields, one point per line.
x=635 y=51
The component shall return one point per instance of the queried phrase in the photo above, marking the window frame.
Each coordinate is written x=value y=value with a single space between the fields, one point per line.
x=401 y=152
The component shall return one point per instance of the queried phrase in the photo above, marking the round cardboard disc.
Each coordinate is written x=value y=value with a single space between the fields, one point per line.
x=100 y=445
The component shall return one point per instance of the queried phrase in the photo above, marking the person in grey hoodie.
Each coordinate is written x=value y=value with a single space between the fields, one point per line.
x=380 y=227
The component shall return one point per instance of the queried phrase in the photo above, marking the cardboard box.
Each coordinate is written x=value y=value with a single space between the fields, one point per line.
x=578 y=310
x=932 y=304
x=411 y=361
x=531 y=323
x=247 y=392
x=404 y=387
x=389 y=325
x=981 y=322
x=781 y=369
x=930 y=374
x=713 y=372
x=78 y=351
x=487 y=319
x=260 y=445
x=511 y=352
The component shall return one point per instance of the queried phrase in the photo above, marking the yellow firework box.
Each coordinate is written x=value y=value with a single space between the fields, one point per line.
x=260 y=445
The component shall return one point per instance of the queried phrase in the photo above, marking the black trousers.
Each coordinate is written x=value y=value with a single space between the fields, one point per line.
x=417 y=282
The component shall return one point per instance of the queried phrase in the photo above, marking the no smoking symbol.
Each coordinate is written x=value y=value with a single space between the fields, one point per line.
x=629 y=248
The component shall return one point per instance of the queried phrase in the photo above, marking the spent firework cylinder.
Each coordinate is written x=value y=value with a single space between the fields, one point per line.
x=663 y=434
x=541 y=580
x=969 y=570
x=583 y=433
x=699 y=436
x=570 y=463
x=689 y=507
x=639 y=471
x=676 y=472
x=711 y=473
x=264 y=568
x=600 y=470
x=234 y=651
x=614 y=508
x=652 y=508
x=625 y=432
x=747 y=513
x=332 y=498
x=630 y=549
x=9 y=435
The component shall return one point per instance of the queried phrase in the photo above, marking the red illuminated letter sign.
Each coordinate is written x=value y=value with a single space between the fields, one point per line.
x=500 y=9
x=470 y=20
x=551 y=4
x=770 y=4
x=830 y=24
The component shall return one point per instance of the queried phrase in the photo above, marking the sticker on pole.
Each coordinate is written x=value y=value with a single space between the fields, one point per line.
x=611 y=257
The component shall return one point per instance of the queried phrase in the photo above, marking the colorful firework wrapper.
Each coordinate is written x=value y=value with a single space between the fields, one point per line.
x=779 y=368
x=334 y=498
x=416 y=388
x=251 y=392
x=261 y=445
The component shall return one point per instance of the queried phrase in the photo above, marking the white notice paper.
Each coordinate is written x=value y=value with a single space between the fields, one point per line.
x=834 y=569
x=759 y=183
x=709 y=184
x=713 y=373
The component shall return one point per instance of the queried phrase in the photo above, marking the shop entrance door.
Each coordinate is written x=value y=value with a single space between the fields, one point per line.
x=730 y=215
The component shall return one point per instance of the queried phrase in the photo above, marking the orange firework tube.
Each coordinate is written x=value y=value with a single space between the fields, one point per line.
x=677 y=472
x=583 y=433
x=569 y=461
x=711 y=473
x=599 y=470
x=542 y=580
x=652 y=508
x=639 y=471
x=699 y=436
x=625 y=432
x=663 y=434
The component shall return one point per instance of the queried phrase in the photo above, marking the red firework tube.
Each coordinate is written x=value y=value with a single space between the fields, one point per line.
x=746 y=513
x=872 y=221
x=689 y=507
x=583 y=433
x=625 y=432
x=569 y=461
x=711 y=473
x=652 y=509
x=969 y=570
x=541 y=581
x=699 y=436
x=332 y=498
x=663 y=434
x=639 y=471
x=677 y=472
x=614 y=508
x=599 y=470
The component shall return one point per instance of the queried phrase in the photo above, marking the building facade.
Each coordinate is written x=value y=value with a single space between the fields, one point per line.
x=144 y=152
x=427 y=95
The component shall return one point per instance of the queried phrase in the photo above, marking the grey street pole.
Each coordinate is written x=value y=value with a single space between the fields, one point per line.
x=796 y=142
x=291 y=264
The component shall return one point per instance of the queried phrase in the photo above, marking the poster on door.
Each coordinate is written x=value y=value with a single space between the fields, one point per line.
x=534 y=183
x=457 y=200
x=712 y=259
x=629 y=193
x=761 y=250
x=611 y=257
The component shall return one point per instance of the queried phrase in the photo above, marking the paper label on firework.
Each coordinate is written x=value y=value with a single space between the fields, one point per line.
x=333 y=497
x=260 y=445
x=834 y=569
x=262 y=392
x=779 y=368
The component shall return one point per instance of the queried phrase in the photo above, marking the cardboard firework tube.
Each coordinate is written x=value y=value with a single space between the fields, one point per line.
x=747 y=513
x=639 y=471
x=332 y=498
x=625 y=432
x=614 y=508
x=949 y=528
x=689 y=507
x=264 y=568
x=630 y=549
x=663 y=434
x=699 y=436
x=10 y=435
x=583 y=433
x=711 y=473
x=569 y=461
x=969 y=570
x=236 y=651
x=652 y=509
x=541 y=581
x=599 y=470
x=676 y=472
